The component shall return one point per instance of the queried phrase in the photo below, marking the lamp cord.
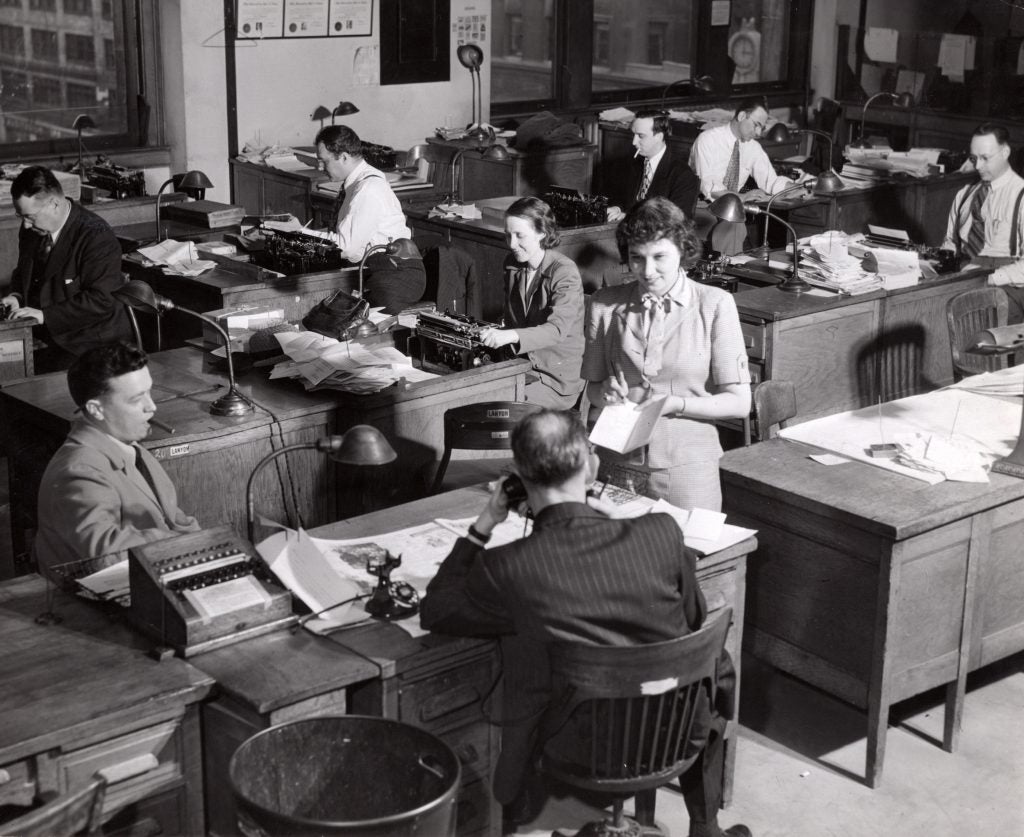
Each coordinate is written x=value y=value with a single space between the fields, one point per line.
x=284 y=480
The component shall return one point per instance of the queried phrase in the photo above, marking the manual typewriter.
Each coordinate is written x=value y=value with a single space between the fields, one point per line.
x=451 y=342
x=117 y=180
x=298 y=252
x=571 y=209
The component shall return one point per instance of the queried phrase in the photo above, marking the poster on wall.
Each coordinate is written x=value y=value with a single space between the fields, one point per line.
x=260 y=18
x=470 y=28
x=351 y=17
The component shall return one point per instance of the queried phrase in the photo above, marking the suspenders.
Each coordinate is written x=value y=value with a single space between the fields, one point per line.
x=1015 y=237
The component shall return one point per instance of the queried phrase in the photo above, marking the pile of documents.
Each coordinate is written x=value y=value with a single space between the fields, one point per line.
x=176 y=258
x=827 y=263
x=324 y=363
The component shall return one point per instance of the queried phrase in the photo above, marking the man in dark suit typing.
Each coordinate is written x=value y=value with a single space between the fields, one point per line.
x=580 y=576
x=69 y=262
x=658 y=173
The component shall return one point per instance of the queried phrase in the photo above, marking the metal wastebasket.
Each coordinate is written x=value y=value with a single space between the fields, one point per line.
x=350 y=774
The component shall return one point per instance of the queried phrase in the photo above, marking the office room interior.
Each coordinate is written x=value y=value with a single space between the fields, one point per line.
x=873 y=594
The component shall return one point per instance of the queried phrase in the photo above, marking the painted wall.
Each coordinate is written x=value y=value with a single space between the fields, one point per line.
x=280 y=83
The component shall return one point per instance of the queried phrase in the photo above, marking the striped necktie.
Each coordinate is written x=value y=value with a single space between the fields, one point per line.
x=336 y=209
x=641 y=193
x=976 y=235
x=654 y=321
x=732 y=173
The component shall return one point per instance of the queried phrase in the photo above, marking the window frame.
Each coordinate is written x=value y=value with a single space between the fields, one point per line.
x=138 y=25
x=573 y=63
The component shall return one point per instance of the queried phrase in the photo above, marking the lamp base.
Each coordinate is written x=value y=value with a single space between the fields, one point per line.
x=1011 y=465
x=478 y=133
x=793 y=284
x=232 y=403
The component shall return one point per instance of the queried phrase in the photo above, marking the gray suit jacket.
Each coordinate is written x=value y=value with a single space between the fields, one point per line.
x=93 y=502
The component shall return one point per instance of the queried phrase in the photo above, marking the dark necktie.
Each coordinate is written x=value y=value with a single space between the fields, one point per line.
x=732 y=173
x=336 y=209
x=976 y=234
x=142 y=468
x=641 y=193
x=47 y=246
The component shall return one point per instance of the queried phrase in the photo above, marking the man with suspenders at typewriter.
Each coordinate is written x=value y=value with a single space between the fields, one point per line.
x=102 y=492
x=368 y=213
x=984 y=226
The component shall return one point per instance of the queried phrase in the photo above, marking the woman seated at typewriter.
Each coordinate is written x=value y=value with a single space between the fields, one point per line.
x=543 y=310
x=664 y=335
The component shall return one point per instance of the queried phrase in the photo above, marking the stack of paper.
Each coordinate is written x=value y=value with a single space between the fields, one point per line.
x=828 y=264
x=178 y=258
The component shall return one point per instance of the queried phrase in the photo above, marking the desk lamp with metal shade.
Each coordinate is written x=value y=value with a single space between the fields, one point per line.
x=700 y=86
x=190 y=181
x=140 y=296
x=471 y=57
x=1003 y=340
x=82 y=122
x=343 y=109
x=321 y=113
x=902 y=100
x=730 y=207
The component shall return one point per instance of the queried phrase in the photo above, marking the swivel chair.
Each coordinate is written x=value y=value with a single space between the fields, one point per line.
x=968 y=313
x=626 y=714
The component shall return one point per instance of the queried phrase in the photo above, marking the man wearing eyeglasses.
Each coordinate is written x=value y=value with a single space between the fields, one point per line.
x=69 y=262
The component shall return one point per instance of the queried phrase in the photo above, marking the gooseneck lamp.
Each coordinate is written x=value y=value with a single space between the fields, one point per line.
x=1003 y=340
x=471 y=57
x=361 y=445
x=828 y=182
x=82 y=122
x=321 y=113
x=138 y=295
x=190 y=180
x=763 y=251
x=902 y=100
x=729 y=207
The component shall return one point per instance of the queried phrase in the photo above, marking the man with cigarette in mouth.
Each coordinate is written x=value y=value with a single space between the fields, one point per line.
x=102 y=492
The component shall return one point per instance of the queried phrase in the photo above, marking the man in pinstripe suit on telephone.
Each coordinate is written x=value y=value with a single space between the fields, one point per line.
x=580 y=576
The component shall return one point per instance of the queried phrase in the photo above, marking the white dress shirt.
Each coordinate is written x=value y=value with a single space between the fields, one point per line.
x=370 y=213
x=709 y=158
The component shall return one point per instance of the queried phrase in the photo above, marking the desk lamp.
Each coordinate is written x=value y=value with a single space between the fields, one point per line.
x=137 y=294
x=902 y=100
x=701 y=85
x=777 y=133
x=729 y=207
x=763 y=251
x=360 y=445
x=321 y=113
x=343 y=109
x=82 y=122
x=828 y=182
x=471 y=57
x=400 y=248
x=193 y=179
x=488 y=150
x=1003 y=340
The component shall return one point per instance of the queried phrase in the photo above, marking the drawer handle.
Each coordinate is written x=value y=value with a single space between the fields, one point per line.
x=5 y=776
x=448 y=702
x=129 y=769
x=748 y=342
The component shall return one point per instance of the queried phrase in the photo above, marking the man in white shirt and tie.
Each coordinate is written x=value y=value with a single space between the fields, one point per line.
x=102 y=493
x=984 y=226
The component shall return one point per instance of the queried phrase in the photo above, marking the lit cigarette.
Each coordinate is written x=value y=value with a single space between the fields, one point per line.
x=165 y=427
x=636 y=153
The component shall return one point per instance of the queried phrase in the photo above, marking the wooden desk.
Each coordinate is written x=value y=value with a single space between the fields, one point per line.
x=873 y=587
x=16 y=349
x=209 y=458
x=592 y=248
x=844 y=352
x=81 y=696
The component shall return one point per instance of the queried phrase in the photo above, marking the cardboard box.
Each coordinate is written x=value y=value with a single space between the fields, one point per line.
x=238 y=321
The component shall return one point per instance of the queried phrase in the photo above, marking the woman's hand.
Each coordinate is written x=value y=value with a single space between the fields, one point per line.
x=614 y=390
x=495 y=338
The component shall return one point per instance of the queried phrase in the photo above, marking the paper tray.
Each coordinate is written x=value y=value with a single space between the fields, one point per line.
x=67 y=576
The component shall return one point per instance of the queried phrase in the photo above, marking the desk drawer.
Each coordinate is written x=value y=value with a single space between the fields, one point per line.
x=137 y=765
x=754 y=338
x=472 y=745
x=17 y=783
x=445 y=699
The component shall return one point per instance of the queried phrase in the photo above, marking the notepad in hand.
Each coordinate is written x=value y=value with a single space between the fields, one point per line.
x=626 y=427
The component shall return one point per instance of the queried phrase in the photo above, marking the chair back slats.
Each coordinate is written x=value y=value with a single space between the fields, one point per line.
x=968 y=313
x=640 y=703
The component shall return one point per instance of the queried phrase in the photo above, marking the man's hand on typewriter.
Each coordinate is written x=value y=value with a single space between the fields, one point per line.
x=613 y=214
x=495 y=338
x=26 y=313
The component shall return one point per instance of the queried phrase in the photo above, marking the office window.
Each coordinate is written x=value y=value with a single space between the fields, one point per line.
x=44 y=45
x=81 y=95
x=60 y=75
x=42 y=5
x=15 y=4
x=79 y=49
x=582 y=53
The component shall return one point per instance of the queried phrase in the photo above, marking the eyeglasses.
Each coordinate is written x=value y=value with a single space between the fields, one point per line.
x=31 y=217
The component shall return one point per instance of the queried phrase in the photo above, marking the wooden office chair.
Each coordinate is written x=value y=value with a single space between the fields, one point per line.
x=628 y=713
x=484 y=426
x=967 y=314
x=774 y=405
x=78 y=812
x=892 y=365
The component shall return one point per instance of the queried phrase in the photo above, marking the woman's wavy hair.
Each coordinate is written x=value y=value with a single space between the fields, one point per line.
x=653 y=220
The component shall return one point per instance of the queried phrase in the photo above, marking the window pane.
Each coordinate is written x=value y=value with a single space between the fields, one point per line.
x=56 y=66
x=759 y=40
x=523 y=43
x=652 y=46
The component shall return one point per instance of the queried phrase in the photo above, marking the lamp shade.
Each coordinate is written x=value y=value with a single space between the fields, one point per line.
x=497 y=152
x=362 y=444
x=778 y=133
x=402 y=248
x=83 y=122
x=345 y=109
x=470 y=56
x=193 y=179
x=828 y=183
x=142 y=297
x=320 y=114
x=728 y=207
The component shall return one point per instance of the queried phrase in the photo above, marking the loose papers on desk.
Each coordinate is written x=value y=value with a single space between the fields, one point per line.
x=827 y=263
x=1008 y=381
x=177 y=258
x=324 y=363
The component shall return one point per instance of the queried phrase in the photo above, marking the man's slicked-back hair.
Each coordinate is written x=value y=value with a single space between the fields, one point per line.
x=35 y=180
x=550 y=446
x=90 y=375
x=340 y=139
x=1000 y=132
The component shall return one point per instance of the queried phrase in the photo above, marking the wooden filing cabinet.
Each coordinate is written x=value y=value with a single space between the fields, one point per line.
x=264 y=190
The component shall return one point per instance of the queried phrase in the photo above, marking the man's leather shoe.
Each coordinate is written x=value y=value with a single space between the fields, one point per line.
x=738 y=830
